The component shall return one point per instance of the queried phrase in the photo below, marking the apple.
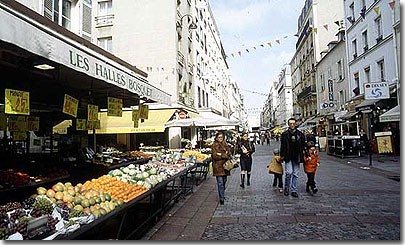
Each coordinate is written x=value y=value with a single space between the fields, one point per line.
x=50 y=193
x=87 y=210
x=59 y=195
x=85 y=203
x=78 y=207
x=41 y=191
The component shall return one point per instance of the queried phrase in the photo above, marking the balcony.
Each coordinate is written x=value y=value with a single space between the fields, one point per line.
x=180 y=58
x=104 y=20
x=379 y=39
x=310 y=90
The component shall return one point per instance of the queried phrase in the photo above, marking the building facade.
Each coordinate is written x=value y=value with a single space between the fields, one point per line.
x=284 y=95
x=316 y=28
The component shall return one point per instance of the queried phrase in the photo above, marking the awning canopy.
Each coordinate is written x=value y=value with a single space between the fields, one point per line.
x=349 y=115
x=366 y=103
x=202 y=122
x=125 y=125
x=393 y=115
x=61 y=128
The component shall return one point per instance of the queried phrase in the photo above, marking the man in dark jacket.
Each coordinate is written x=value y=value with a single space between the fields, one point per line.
x=292 y=150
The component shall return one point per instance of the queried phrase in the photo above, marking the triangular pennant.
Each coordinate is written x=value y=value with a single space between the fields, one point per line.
x=350 y=19
x=278 y=41
x=262 y=45
x=316 y=30
x=254 y=47
x=377 y=10
x=147 y=68
x=163 y=68
x=337 y=23
x=269 y=43
x=285 y=37
x=326 y=27
x=233 y=56
x=363 y=14
x=247 y=50
x=240 y=53
x=296 y=35
x=392 y=4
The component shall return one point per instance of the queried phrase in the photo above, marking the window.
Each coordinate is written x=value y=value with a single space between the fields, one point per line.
x=207 y=98
x=64 y=7
x=322 y=82
x=341 y=99
x=363 y=5
x=365 y=41
x=340 y=70
x=367 y=74
x=356 y=80
x=351 y=8
x=56 y=11
x=203 y=99
x=378 y=28
x=354 y=48
x=104 y=8
x=105 y=43
x=199 y=97
x=381 y=70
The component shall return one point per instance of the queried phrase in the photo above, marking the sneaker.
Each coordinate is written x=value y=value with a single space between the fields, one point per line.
x=286 y=193
x=221 y=202
x=294 y=194
x=315 y=190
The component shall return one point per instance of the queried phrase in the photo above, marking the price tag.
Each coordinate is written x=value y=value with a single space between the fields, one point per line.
x=114 y=107
x=93 y=125
x=70 y=105
x=92 y=112
x=3 y=122
x=135 y=115
x=143 y=111
x=81 y=124
x=17 y=102
x=19 y=136
x=17 y=123
x=33 y=124
x=136 y=123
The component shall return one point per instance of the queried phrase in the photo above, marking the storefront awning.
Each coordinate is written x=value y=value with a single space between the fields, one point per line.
x=202 y=122
x=61 y=128
x=125 y=125
x=366 y=103
x=349 y=115
x=393 y=115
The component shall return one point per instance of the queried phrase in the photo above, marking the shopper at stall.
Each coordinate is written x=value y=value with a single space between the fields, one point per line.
x=245 y=149
x=220 y=154
x=311 y=163
x=292 y=150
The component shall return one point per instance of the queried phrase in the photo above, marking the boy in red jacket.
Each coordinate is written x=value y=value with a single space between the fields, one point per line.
x=310 y=165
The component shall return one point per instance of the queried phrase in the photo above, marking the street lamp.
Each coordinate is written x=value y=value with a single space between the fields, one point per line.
x=192 y=26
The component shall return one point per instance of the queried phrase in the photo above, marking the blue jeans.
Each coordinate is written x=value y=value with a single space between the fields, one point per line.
x=291 y=168
x=221 y=182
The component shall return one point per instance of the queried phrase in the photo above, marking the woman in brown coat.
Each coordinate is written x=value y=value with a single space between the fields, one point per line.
x=220 y=154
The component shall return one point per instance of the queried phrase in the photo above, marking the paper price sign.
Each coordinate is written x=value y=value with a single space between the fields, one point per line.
x=70 y=105
x=17 y=123
x=17 y=102
x=92 y=112
x=136 y=123
x=19 y=136
x=143 y=111
x=3 y=122
x=93 y=125
x=81 y=124
x=33 y=124
x=114 y=107
x=135 y=115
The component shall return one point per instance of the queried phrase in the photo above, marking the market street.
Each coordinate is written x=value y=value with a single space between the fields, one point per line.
x=352 y=204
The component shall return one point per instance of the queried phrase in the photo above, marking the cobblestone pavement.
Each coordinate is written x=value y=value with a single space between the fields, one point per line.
x=352 y=204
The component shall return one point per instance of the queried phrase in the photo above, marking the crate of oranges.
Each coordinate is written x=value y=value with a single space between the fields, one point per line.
x=118 y=189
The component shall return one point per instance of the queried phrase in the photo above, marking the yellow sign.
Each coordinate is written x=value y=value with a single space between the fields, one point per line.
x=114 y=107
x=136 y=123
x=19 y=136
x=143 y=111
x=135 y=115
x=92 y=112
x=3 y=122
x=33 y=124
x=384 y=144
x=70 y=105
x=60 y=131
x=17 y=102
x=81 y=124
x=93 y=125
x=17 y=123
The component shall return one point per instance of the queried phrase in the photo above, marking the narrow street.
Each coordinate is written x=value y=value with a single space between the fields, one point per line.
x=352 y=204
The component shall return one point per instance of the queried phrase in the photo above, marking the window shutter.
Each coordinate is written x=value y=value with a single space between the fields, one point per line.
x=48 y=9
x=86 y=20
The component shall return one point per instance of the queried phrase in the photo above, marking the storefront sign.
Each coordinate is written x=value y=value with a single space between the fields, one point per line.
x=3 y=122
x=136 y=124
x=33 y=124
x=70 y=105
x=377 y=134
x=143 y=111
x=182 y=115
x=374 y=91
x=17 y=123
x=81 y=124
x=114 y=107
x=92 y=112
x=384 y=144
x=17 y=102
x=19 y=136
x=135 y=115
x=330 y=87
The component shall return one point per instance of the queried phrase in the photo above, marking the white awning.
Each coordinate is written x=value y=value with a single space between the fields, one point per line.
x=393 y=115
x=201 y=122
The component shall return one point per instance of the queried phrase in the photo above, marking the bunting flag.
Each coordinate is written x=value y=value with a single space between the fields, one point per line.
x=240 y=53
x=337 y=23
x=278 y=41
x=377 y=10
x=296 y=35
x=363 y=14
x=262 y=45
x=285 y=37
x=350 y=19
x=269 y=43
x=233 y=56
x=392 y=4
x=254 y=48
x=326 y=27
x=316 y=30
x=247 y=50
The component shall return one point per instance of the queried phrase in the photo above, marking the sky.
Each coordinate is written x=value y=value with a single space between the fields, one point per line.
x=244 y=24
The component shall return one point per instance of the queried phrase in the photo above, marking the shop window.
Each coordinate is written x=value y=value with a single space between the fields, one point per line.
x=105 y=43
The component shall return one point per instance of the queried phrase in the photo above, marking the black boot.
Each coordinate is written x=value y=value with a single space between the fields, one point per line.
x=248 y=179
x=307 y=189
x=242 y=179
x=314 y=189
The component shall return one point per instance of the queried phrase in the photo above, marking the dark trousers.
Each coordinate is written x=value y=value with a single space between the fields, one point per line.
x=311 y=180
x=279 y=178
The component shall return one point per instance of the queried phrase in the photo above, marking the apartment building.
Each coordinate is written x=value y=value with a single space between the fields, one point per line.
x=316 y=28
x=284 y=94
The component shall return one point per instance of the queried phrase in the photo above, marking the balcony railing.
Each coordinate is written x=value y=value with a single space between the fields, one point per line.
x=180 y=58
x=306 y=92
x=104 y=20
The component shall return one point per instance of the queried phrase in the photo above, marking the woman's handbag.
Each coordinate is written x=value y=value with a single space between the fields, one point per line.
x=230 y=164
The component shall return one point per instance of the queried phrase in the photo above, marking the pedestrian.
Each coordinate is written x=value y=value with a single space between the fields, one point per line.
x=245 y=149
x=276 y=168
x=311 y=163
x=220 y=154
x=263 y=138
x=292 y=150
x=268 y=139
